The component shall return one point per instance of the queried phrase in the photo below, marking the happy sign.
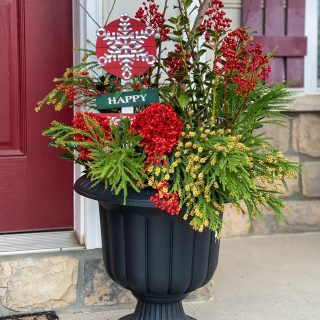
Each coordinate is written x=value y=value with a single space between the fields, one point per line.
x=126 y=99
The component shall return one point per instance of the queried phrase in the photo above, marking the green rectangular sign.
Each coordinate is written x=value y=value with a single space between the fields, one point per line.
x=127 y=99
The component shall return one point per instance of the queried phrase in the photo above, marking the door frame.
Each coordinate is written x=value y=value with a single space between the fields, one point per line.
x=86 y=212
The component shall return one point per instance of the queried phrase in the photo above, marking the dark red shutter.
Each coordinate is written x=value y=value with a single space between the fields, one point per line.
x=280 y=27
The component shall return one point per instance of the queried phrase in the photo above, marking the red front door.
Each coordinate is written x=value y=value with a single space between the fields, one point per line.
x=35 y=46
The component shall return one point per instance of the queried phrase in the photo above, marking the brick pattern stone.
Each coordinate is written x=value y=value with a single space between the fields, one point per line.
x=311 y=178
x=100 y=289
x=267 y=225
x=292 y=184
x=279 y=135
x=38 y=283
x=306 y=134
x=301 y=216
x=234 y=224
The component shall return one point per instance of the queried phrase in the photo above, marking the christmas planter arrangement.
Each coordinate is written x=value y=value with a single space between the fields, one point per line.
x=163 y=172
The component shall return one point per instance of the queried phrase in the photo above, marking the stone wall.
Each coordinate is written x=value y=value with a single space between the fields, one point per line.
x=300 y=141
x=67 y=282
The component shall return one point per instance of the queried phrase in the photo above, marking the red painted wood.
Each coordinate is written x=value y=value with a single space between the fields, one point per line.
x=296 y=21
x=252 y=15
x=287 y=37
x=126 y=46
x=274 y=17
x=284 y=46
x=274 y=25
x=36 y=46
x=12 y=118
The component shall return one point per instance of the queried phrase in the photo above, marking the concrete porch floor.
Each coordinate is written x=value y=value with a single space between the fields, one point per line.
x=258 y=278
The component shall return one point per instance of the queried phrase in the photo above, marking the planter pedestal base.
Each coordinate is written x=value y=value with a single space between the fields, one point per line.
x=158 y=311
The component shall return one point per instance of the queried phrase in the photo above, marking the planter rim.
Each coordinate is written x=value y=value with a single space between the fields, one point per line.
x=85 y=187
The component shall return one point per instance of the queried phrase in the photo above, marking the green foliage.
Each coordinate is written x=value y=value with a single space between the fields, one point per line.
x=266 y=104
x=221 y=157
x=212 y=167
x=117 y=160
x=119 y=164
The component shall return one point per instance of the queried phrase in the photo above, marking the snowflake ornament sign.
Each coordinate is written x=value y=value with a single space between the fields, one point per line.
x=126 y=47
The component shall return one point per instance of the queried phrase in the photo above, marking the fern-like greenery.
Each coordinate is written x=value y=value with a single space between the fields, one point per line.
x=119 y=164
x=116 y=160
x=212 y=166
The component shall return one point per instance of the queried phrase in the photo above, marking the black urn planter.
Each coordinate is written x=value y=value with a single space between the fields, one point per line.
x=158 y=257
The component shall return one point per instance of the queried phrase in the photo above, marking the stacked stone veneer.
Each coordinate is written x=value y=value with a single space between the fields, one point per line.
x=300 y=141
x=68 y=282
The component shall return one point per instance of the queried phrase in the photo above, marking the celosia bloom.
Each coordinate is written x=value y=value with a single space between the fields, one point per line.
x=161 y=129
x=79 y=123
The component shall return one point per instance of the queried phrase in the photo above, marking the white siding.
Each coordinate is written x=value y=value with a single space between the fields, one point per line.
x=233 y=9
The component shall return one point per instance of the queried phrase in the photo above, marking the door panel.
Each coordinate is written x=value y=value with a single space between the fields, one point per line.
x=36 y=46
x=12 y=116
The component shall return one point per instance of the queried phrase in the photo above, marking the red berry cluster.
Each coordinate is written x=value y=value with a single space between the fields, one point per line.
x=137 y=86
x=242 y=64
x=70 y=92
x=166 y=201
x=117 y=85
x=150 y=15
x=161 y=129
x=215 y=20
x=74 y=91
x=79 y=123
x=177 y=65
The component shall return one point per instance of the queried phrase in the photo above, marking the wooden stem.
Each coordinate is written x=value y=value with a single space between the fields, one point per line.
x=204 y=7
x=160 y=48
x=240 y=108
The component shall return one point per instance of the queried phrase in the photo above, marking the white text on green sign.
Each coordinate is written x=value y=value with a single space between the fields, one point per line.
x=127 y=99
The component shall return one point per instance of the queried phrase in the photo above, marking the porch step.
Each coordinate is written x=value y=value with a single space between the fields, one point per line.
x=19 y=243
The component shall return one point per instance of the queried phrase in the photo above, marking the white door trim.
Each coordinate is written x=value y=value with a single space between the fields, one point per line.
x=311 y=59
x=86 y=214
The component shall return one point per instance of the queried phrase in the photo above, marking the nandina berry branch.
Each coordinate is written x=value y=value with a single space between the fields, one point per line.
x=225 y=104
x=160 y=48
x=241 y=107
x=204 y=7
x=187 y=29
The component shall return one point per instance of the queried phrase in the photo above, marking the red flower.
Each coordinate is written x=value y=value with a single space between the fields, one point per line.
x=79 y=123
x=161 y=129
x=166 y=201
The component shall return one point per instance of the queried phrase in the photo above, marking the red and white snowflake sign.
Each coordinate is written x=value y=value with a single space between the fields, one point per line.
x=126 y=47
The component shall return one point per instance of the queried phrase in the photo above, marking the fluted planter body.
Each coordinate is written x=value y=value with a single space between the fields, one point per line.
x=156 y=256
